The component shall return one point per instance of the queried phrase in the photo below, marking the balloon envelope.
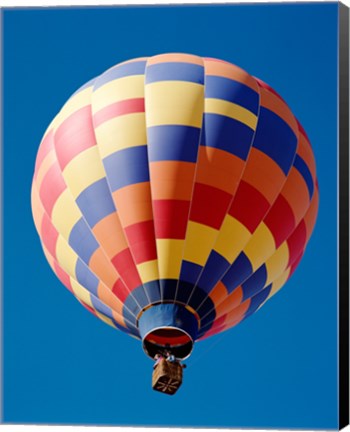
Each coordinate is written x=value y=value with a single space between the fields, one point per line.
x=174 y=195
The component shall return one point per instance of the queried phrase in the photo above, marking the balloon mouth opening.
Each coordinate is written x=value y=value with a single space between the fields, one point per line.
x=172 y=339
x=168 y=327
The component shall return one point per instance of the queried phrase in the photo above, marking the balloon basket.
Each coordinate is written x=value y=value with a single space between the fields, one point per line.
x=167 y=377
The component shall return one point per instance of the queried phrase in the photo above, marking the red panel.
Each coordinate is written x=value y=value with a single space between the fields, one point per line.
x=45 y=147
x=267 y=87
x=141 y=240
x=280 y=220
x=125 y=266
x=63 y=276
x=296 y=242
x=295 y=264
x=170 y=218
x=49 y=235
x=51 y=188
x=249 y=206
x=117 y=109
x=218 y=323
x=89 y=308
x=209 y=205
x=74 y=135
x=120 y=290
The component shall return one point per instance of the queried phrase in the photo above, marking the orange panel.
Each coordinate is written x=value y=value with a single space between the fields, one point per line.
x=231 y=302
x=237 y=312
x=296 y=193
x=172 y=180
x=219 y=169
x=107 y=297
x=103 y=268
x=218 y=294
x=305 y=152
x=228 y=70
x=310 y=217
x=110 y=235
x=134 y=203
x=275 y=104
x=264 y=174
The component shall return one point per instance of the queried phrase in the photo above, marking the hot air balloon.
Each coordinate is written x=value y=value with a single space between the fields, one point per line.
x=174 y=195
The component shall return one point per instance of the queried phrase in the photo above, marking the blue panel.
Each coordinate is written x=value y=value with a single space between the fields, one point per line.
x=257 y=300
x=133 y=68
x=129 y=329
x=101 y=307
x=168 y=289
x=168 y=315
x=83 y=87
x=175 y=71
x=232 y=91
x=95 y=202
x=276 y=139
x=197 y=297
x=200 y=302
x=255 y=283
x=173 y=142
x=82 y=240
x=190 y=271
x=127 y=167
x=227 y=134
x=124 y=329
x=184 y=291
x=131 y=309
x=153 y=291
x=130 y=319
x=140 y=296
x=303 y=169
x=214 y=268
x=238 y=272
x=85 y=277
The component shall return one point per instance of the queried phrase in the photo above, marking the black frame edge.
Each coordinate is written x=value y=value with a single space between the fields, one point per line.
x=343 y=59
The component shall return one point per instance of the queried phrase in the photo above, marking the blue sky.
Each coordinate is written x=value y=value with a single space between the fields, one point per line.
x=62 y=365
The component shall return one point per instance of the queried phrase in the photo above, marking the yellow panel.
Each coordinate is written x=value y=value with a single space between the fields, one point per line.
x=276 y=286
x=169 y=258
x=174 y=102
x=81 y=292
x=260 y=247
x=37 y=208
x=49 y=128
x=45 y=165
x=277 y=263
x=66 y=257
x=279 y=282
x=148 y=271
x=229 y=109
x=232 y=238
x=81 y=99
x=117 y=90
x=84 y=170
x=105 y=319
x=65 y=214
x=121 y=132
x=199 y=242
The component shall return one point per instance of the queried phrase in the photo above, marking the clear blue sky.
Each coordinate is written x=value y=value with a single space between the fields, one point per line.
x=61 y=364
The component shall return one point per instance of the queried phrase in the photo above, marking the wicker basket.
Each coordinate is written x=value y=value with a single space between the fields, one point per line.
x=167 y=377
